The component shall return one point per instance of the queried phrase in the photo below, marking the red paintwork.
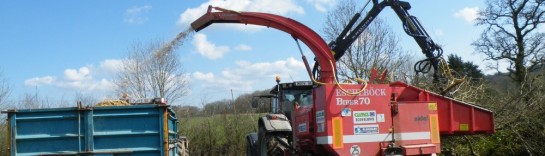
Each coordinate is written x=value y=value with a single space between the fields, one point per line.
x=316 y=136
x=327 y=99
x=299 y=31
x=410 y=102
x=451 y=112
x=414 y=117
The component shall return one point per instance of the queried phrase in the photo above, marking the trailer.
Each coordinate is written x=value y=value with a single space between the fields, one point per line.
x=149 y=128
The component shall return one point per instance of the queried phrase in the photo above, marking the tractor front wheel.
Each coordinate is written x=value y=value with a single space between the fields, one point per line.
x=272 y=143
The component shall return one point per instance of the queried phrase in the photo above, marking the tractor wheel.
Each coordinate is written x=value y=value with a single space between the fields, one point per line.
x=272 y=144
x=249 y=151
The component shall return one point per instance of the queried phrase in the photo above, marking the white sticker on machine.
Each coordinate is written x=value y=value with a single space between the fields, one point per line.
x=362 y=117
x=346 y=112
x=302 y=127
x=365 y=129
x=321 y=127
x=355 y=150
x=380 y=118
x=320 y=116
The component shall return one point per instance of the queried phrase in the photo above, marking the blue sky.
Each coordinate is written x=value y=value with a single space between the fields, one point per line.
x=59 y=48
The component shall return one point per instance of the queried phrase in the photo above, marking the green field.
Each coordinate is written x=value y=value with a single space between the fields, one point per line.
x=218 y=134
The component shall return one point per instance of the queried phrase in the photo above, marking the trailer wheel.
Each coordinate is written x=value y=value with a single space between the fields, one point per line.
x=274 y=144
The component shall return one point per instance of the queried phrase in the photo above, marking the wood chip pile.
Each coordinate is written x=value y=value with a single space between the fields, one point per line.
x=112 y=103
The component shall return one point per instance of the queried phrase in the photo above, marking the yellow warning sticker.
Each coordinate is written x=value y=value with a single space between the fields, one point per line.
x=464 y=127
x=337 y=132
x=432 y=106
x=434 y=129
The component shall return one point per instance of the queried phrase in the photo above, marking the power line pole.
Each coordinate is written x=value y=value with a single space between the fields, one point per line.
x=233 y=102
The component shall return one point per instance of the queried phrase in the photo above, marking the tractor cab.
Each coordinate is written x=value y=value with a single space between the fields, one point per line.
x=288 y=100
x=292 y=97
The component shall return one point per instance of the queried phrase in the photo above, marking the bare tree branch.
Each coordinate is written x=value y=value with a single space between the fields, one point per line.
x=512 y=35
x=377 y=47
x=154 y=70
x=5 y=91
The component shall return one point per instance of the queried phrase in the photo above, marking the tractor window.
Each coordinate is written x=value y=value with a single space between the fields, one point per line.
x=302 y=97
x=305 y=98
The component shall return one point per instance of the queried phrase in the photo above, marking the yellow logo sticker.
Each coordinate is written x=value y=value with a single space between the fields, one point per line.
x=432 y=106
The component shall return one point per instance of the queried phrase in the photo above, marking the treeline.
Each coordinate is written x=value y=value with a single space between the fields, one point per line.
x=241 y=104
x=220 y=127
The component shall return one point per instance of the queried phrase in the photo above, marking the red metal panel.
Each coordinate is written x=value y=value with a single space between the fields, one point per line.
x=455 y=117
x=412 y=126
x=420 y=149
x=303 y=125
x=366 y=121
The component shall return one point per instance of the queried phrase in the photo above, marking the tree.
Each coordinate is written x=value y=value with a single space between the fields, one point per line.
x=377 y=47
x=86 y=99
x=512 y=34
x=153 y=70
x=464 y=69
x=4 y=91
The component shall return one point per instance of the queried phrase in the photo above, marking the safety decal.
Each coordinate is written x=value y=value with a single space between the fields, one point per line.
x=302 y=127
x=380 y=118
x=365 y=129
x=361 y=117
x=320 y=116
x=321 y=127
x=346 y=112
x=464 y=127
x=355 y=150
x=432 y=106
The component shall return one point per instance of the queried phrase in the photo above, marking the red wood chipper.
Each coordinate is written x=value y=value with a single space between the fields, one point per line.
x=325 y=117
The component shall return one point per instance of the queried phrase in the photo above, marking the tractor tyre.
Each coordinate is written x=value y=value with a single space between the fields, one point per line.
x=249 y=151
x=272 y=144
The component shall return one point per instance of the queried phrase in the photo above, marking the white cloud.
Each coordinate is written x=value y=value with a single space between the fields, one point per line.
x=137 y=14
x=39 y=81
x=246 y=74
x=208 y=49
x=280 y=7
x=83 y=79
x=111 y=65
x=77 y=75
x=322 y=5
x=209 y=77
x=469 y=14
x=439 y=32
x=243 y=47
x=87 y=85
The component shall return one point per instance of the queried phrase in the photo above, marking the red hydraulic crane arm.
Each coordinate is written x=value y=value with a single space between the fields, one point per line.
x=297 y=30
